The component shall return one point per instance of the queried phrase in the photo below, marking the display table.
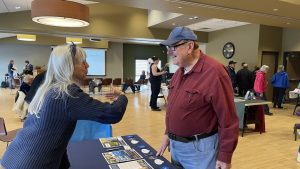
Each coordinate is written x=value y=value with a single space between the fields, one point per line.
x=88 y=154
x=254 y=105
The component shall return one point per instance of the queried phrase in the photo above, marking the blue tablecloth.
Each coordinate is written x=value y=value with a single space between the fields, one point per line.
x=90 y=130
x=88 y=154
x=240 y=109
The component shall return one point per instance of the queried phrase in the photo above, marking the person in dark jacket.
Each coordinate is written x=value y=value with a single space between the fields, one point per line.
x=231 y=72
x=244 y=78
x=280 y=82
x=37 y=81
x=25 y=86
x=11 y=70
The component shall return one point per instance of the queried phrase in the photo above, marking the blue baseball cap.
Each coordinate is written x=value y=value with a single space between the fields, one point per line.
x=178 y=34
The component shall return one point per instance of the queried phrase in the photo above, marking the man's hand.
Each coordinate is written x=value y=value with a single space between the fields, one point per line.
x=164 y=145
x=222 y=165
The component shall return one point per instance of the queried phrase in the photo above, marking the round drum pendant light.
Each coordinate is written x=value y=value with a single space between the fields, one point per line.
x=60 y=13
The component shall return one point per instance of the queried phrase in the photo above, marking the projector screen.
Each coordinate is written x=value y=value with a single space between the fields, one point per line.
x=96 y=59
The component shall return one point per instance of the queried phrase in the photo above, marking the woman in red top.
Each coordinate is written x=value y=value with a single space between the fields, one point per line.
x=260 y=86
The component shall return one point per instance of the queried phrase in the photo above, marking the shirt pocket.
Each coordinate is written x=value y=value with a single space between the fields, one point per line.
x=193 y=98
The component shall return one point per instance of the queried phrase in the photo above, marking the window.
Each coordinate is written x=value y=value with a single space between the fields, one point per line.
x=140 y=65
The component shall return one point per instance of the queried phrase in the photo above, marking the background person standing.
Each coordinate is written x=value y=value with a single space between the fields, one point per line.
x=28 y=69
x=280 y=82
x=244 y=80
x=260 y=86
x=10 y=72
x=232 y=74
x=155 y=81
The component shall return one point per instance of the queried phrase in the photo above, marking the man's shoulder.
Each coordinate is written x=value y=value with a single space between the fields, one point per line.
x=211 y=64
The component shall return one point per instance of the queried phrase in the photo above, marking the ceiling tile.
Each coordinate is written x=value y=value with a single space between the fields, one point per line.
x=12 y=4
x=29 y=4
x=3 y=8
x=6 y=35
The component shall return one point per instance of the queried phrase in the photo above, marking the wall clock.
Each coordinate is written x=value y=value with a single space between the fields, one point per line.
x=228 y=50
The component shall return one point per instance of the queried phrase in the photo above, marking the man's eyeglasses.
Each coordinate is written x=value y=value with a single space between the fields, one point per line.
x=173 y=47
x=73 y=50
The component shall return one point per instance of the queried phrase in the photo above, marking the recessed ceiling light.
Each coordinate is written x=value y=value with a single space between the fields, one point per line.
x=18 y=7
x=179 y=7
x=70 y=40
x=191 y=18
x=275 y=9
x=60 y=13
x=26 y=37
x=196 y=17
x=95 y=39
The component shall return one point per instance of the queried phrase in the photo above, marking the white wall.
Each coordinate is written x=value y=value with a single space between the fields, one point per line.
x=114 y=60
x=245 y=38
x=291 y=40
x=35 y=54
x=39 y=55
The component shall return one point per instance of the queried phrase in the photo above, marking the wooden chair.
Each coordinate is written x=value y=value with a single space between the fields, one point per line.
x=6 y=136
x=106 y=82
x=128 y=82
x=117 y=82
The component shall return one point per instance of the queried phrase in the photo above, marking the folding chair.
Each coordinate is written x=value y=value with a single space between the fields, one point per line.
x=6 y=136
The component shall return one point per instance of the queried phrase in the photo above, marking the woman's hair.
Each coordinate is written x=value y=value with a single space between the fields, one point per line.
x=154 y=58
x=264 y=68
x=280 y=68
x=59 y=74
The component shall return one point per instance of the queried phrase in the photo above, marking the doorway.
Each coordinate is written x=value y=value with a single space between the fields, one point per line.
x=291 y=62
x=270 y=59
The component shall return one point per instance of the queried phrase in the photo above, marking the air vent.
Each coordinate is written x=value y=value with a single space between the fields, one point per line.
x=95 y=39
x=204 y=28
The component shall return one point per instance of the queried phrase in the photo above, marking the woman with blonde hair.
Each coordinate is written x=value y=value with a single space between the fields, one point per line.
x=54 y=111
x=280 y=82
x=260 y=86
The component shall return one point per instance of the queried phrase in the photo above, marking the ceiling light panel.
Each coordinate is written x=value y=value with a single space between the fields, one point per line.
x=12 y=4
x=215 y=24
x=84 y=2
x=69 y=40
x=26 y=37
